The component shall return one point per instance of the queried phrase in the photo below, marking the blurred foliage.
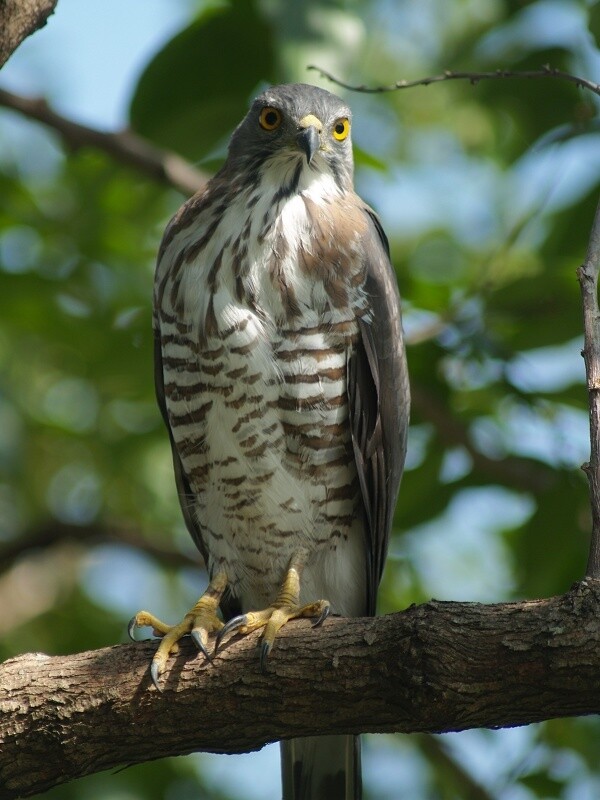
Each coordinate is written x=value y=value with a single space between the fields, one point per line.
x=487 y=193
x=194 y=113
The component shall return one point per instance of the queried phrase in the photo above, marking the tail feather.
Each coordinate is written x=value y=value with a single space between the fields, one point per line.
x=321 y=768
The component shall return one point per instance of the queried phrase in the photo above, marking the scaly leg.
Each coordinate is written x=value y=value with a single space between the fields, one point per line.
x=272 y=619
x=199 y=622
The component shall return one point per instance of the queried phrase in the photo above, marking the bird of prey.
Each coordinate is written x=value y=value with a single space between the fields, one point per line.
x=281 y=376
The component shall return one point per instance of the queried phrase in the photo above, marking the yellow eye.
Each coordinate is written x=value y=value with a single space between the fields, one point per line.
x=341 y=129
x=270 y=118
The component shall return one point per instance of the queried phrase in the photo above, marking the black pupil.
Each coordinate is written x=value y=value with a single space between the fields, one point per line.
x=339 y=128
x=271 y=118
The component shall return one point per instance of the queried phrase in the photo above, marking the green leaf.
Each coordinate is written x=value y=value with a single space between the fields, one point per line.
x=550 y=549
x=422 y=497
x=595 y=22
x=526 y=109
x=536 y=311
x=543 y=784
x=195 y=91
x=363 y=158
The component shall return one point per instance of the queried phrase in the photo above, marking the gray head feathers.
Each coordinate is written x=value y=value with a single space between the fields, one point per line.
x=295 y=120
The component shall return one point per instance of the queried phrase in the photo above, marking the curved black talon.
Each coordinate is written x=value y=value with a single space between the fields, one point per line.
x=234 y=624
x=265 y=649
x=154 y=674
x=324 y=614
x=131 y=626
x=197 y=640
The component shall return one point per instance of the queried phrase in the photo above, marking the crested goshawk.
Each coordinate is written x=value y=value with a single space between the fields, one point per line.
x=281 y=376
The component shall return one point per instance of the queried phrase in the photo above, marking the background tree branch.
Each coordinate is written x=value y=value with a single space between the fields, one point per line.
x=53 y=532
x=18 y=20
x=521 y=473
x=124 y=146
x=435 y=667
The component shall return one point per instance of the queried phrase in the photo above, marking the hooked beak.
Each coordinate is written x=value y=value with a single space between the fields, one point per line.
x=308 y=139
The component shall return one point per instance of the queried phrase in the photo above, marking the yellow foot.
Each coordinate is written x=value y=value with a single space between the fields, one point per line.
x=201 y=621
x=273 y=618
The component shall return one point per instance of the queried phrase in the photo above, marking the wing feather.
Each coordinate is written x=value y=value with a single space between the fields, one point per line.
x=184 y=490
x=379 y=401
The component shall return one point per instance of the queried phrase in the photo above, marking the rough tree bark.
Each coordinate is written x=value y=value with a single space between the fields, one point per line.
x=436 y=667
x=588 y=280
x=19 y=19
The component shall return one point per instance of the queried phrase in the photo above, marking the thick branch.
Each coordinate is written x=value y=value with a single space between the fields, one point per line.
x=588 y=280
x=125 y=146
x=435 y=667
x=473 y=77
x=18 y=20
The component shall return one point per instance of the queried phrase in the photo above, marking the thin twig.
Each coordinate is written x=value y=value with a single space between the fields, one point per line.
x=124 y=146
x=588 y=281
x=474 y=77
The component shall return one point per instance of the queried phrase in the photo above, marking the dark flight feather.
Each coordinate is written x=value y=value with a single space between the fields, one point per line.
x=379 y=401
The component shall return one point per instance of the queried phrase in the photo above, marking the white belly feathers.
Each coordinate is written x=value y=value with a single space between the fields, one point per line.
x=257 y=405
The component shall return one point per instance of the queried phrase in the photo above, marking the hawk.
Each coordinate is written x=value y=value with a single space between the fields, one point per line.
x=281 y=377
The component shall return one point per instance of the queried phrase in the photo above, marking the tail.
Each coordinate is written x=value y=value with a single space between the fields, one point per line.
x=321 y=768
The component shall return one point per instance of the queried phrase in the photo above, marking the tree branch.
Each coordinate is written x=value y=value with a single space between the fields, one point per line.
x=445 y=765
x=436 y=667
x=18 y=20
x=54 y=532
x=474 y=77
x=588 y=281
x=125 y=146
x=520 y=473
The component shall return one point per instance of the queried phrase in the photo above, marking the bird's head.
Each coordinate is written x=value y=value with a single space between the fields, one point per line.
x=296 y=122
